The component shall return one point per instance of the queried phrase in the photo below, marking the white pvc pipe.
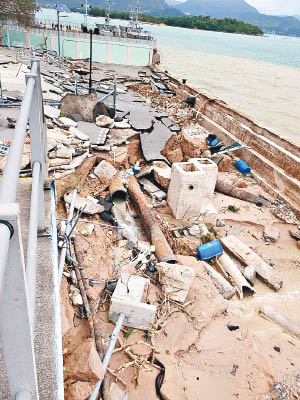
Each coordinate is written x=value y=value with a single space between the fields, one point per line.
x=68 y=230
x=56 y=300
x=110 y=349
x=10 y=180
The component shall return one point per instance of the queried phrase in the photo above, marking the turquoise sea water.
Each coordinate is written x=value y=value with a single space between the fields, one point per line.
x=271 y=48
x=259 y=76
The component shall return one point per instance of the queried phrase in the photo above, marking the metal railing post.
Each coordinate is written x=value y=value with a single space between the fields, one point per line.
x=115 y=94
x=38 y=139
x=15 y=328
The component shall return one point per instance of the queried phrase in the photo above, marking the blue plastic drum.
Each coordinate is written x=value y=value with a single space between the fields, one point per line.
x=209 y=250
x=243 y=167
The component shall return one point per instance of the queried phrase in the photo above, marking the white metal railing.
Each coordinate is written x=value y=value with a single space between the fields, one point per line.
x=17 y=283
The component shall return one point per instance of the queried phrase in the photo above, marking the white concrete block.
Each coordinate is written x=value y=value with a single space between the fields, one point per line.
x=127 y=298
x=191 y=189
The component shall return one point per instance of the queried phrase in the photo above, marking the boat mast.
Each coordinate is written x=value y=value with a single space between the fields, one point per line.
x=134 y=17
x=107 y=13
x=86 y=13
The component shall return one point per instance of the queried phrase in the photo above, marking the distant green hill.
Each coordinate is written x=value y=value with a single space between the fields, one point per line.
x=152 y=7
x=241 y=10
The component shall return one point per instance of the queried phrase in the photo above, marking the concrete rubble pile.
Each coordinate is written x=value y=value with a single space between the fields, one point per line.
x=158 y=235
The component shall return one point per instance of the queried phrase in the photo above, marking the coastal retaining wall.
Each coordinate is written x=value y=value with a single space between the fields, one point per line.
x=274 y=157
x=77 y=46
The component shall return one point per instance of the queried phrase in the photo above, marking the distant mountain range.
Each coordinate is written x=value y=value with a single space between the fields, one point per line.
x=157 y=8
x=238 y=9
x=241 y=10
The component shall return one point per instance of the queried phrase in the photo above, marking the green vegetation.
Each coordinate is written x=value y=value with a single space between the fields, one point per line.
x=19 y=11
x=230 y=25
x=233 y=209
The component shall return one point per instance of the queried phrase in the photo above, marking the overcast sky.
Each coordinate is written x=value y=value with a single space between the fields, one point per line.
x=276 y=7
x=279 y=7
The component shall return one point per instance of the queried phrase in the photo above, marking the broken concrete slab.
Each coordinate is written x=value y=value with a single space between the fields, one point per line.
x=89 y=206
x=68 y=122
x=103 y=121
x=97 y=135
x=176 y=280
x=152 y=189
x=78 y=134
x=51 y=112
x=271 y=234
x=162 y=174
x=154 y=142
x=105 y=171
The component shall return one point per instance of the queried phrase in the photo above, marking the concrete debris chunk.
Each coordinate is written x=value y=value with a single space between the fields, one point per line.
x=194 y=230
x=86 y=105
x=51 y=112
x=193 y=147
x=82 y=203
x=78 y=134
x=271 y=234
x=88 y=230
x=176 y=280
x=104 y=122
x=105 y=171
x=56 y=136
x=162 y=174
x=97 y=135
x=153 y=143
x=68 y=122
x=152 y=189
x=84 y=363
x=122 y=124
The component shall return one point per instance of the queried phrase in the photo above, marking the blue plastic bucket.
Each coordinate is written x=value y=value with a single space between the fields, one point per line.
x=209 y=250
x=243 y=167
x=214 y=142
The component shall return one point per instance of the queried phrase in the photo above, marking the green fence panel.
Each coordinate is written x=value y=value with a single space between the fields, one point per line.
x=36 y=40
x=139 y=55
x=118 y=53
x=16 y=37
x=99 y=51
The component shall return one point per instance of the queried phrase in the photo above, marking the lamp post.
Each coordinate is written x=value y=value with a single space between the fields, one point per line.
x=60 y=8
x=91 y=60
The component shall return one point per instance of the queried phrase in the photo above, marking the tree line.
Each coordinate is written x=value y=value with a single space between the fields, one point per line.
x=230 y=25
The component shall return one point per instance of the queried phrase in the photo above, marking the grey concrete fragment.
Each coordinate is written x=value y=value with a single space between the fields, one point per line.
x=152 y=189
x=51 y=112
x=153 y=143
x=97 y=135
x=271 y=234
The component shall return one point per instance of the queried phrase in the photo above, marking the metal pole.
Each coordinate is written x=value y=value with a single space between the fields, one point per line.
x=4 y=240
x=115 y=94
x=58 y=36
x=86 y=12
x=10 y=180
x=91 y=60
x=110 y=349
x=68 y=230
x=32 y=242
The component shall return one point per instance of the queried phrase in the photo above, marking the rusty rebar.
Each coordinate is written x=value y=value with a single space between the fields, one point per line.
x=163 y=250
